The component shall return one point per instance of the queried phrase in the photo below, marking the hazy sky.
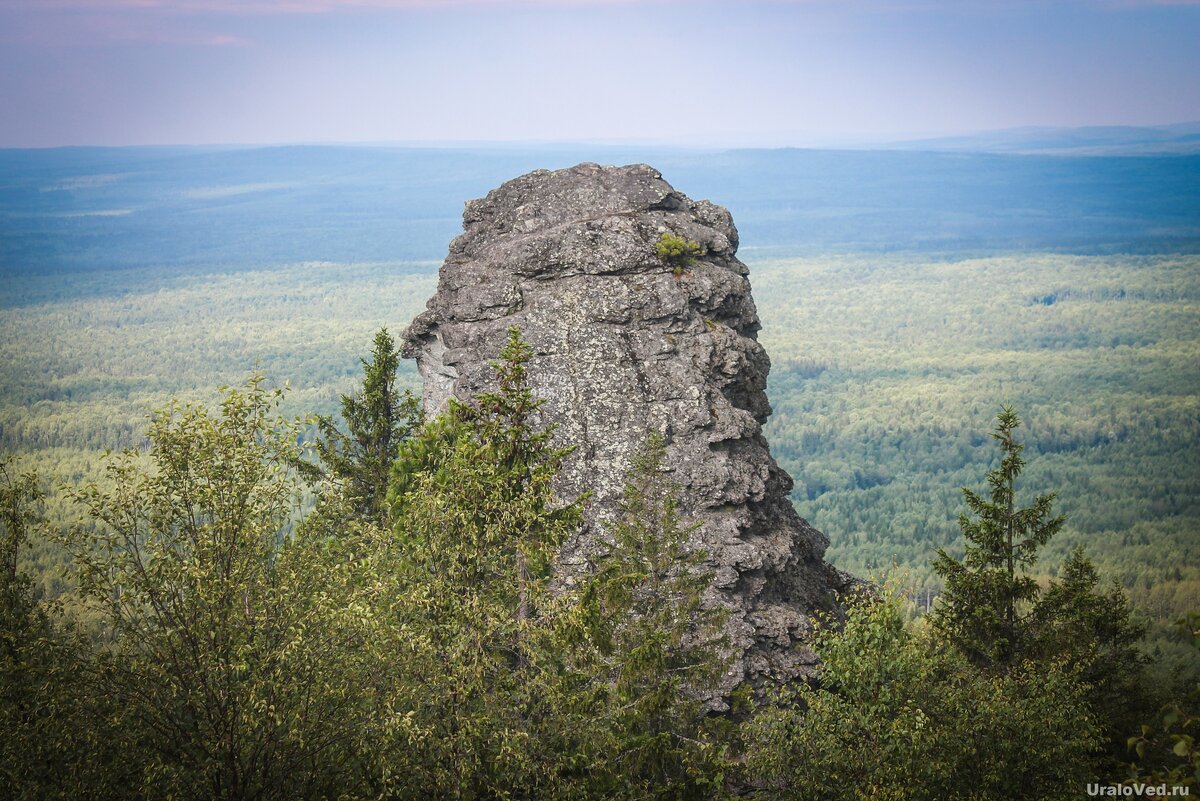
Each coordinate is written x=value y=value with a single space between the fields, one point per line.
x=752 y=72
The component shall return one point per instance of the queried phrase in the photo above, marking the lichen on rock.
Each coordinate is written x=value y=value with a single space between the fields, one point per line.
x=626 y=342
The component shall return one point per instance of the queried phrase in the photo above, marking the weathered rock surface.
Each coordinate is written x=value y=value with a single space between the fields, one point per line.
x=623 y=345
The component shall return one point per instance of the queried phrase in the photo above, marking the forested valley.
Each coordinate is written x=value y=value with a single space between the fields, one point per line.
x=404 y=638
x=345 y=660
x=886 y=372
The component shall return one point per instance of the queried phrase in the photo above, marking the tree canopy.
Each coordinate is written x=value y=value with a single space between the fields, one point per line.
x=224 y=641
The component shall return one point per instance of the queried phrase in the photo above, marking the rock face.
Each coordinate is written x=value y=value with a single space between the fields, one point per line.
x=624 y=345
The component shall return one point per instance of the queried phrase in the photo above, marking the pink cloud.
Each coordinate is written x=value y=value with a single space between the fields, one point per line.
x=301 y=6
x=224 y=40
x=117 y=33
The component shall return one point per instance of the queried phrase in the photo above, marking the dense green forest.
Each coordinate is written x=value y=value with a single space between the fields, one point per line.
x=886 y=371
x=403 y=637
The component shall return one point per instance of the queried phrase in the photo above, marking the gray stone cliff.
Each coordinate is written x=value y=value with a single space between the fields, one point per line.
x=623 y=345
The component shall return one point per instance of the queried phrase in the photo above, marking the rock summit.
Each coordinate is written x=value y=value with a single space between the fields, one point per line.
x=626 y=342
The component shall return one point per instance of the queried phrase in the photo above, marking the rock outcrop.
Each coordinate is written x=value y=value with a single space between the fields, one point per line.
x=623 y=344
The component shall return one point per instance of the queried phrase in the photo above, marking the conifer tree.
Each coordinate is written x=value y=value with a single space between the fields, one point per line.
x=1094 y=629
x=659 y=647
x=378 y=419
x=477 y=525
x=592 y=690
x=984 y=607
x=999 y=617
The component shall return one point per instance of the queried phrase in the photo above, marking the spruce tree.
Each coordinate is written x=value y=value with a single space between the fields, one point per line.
x=984 y=607
x=378 y=418
x=477 y=524
x=659 y=649
x=1001 y=619
x=594 y=688
x=1094 y=629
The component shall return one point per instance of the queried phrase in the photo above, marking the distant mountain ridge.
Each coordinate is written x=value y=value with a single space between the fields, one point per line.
x=1097 y=140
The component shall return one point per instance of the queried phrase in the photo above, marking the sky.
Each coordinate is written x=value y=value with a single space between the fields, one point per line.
x=749 y=72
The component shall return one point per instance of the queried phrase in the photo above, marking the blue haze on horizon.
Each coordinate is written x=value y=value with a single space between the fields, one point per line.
x=754 y=73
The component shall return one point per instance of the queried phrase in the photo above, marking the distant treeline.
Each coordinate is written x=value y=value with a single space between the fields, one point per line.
x=88 y=209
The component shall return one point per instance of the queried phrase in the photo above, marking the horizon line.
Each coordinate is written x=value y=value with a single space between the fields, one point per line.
x=1186 y=131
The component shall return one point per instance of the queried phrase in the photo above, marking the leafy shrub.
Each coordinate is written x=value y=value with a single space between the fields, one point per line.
x=899 y=714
